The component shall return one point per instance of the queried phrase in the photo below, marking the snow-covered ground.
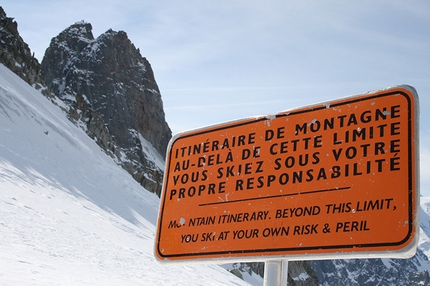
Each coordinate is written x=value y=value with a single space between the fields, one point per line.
x=68 y=214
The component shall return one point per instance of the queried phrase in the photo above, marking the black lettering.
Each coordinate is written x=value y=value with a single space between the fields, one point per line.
x=394 y=164
x=395 y=110
x=239 y=185
x=395 y=128
x=300 y=129
x=269 y=135
x=395 y=146
x=337 y=153
x=172 y=194
x=379 y=148
x=259 y=167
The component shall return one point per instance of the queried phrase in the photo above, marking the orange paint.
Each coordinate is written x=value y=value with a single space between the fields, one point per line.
x=337 y=177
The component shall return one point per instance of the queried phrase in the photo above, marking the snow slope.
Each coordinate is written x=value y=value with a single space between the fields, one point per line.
x=68 y=214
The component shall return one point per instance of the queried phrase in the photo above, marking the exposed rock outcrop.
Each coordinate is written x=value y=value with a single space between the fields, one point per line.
x=111 y=91
x=15 y=53
x=300 y=273
x=369 y=272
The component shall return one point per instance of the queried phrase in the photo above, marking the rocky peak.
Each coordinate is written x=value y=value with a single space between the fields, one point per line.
x=112 y=92
x=59 y=57
x=108 y=87
x=15 y=53
x=77 y=36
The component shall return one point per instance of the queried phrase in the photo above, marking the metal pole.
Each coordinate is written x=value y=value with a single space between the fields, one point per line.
x=276 y=273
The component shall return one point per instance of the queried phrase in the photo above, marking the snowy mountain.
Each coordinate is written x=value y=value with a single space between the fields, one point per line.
x=69 y=215
x=110 y=91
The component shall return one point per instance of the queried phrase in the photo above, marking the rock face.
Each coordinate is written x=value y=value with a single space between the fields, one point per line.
x=15 y=53
x=111 y=91
x=300 y=273
x=379 y=271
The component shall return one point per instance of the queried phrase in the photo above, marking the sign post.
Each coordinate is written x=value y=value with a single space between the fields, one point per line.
x=276 y=272
x=333 y=180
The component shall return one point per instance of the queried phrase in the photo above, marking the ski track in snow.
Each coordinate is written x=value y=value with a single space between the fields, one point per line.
x=68 y=214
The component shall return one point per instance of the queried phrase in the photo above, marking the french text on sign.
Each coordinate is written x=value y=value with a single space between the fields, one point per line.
x=336 y=179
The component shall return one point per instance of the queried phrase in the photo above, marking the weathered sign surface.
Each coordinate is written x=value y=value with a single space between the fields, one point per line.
x=337 y=179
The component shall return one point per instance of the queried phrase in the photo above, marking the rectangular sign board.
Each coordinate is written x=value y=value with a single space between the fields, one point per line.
x=334 y=180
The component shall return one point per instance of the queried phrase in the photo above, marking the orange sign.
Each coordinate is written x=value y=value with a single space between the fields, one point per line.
x=329 y=180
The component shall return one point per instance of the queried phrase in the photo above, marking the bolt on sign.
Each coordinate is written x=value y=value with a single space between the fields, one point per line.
x=336 y=179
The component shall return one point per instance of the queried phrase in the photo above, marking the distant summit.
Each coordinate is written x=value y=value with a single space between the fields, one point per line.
x=111 y=91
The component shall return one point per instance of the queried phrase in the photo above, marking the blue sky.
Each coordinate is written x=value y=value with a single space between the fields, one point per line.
x=217 y=61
